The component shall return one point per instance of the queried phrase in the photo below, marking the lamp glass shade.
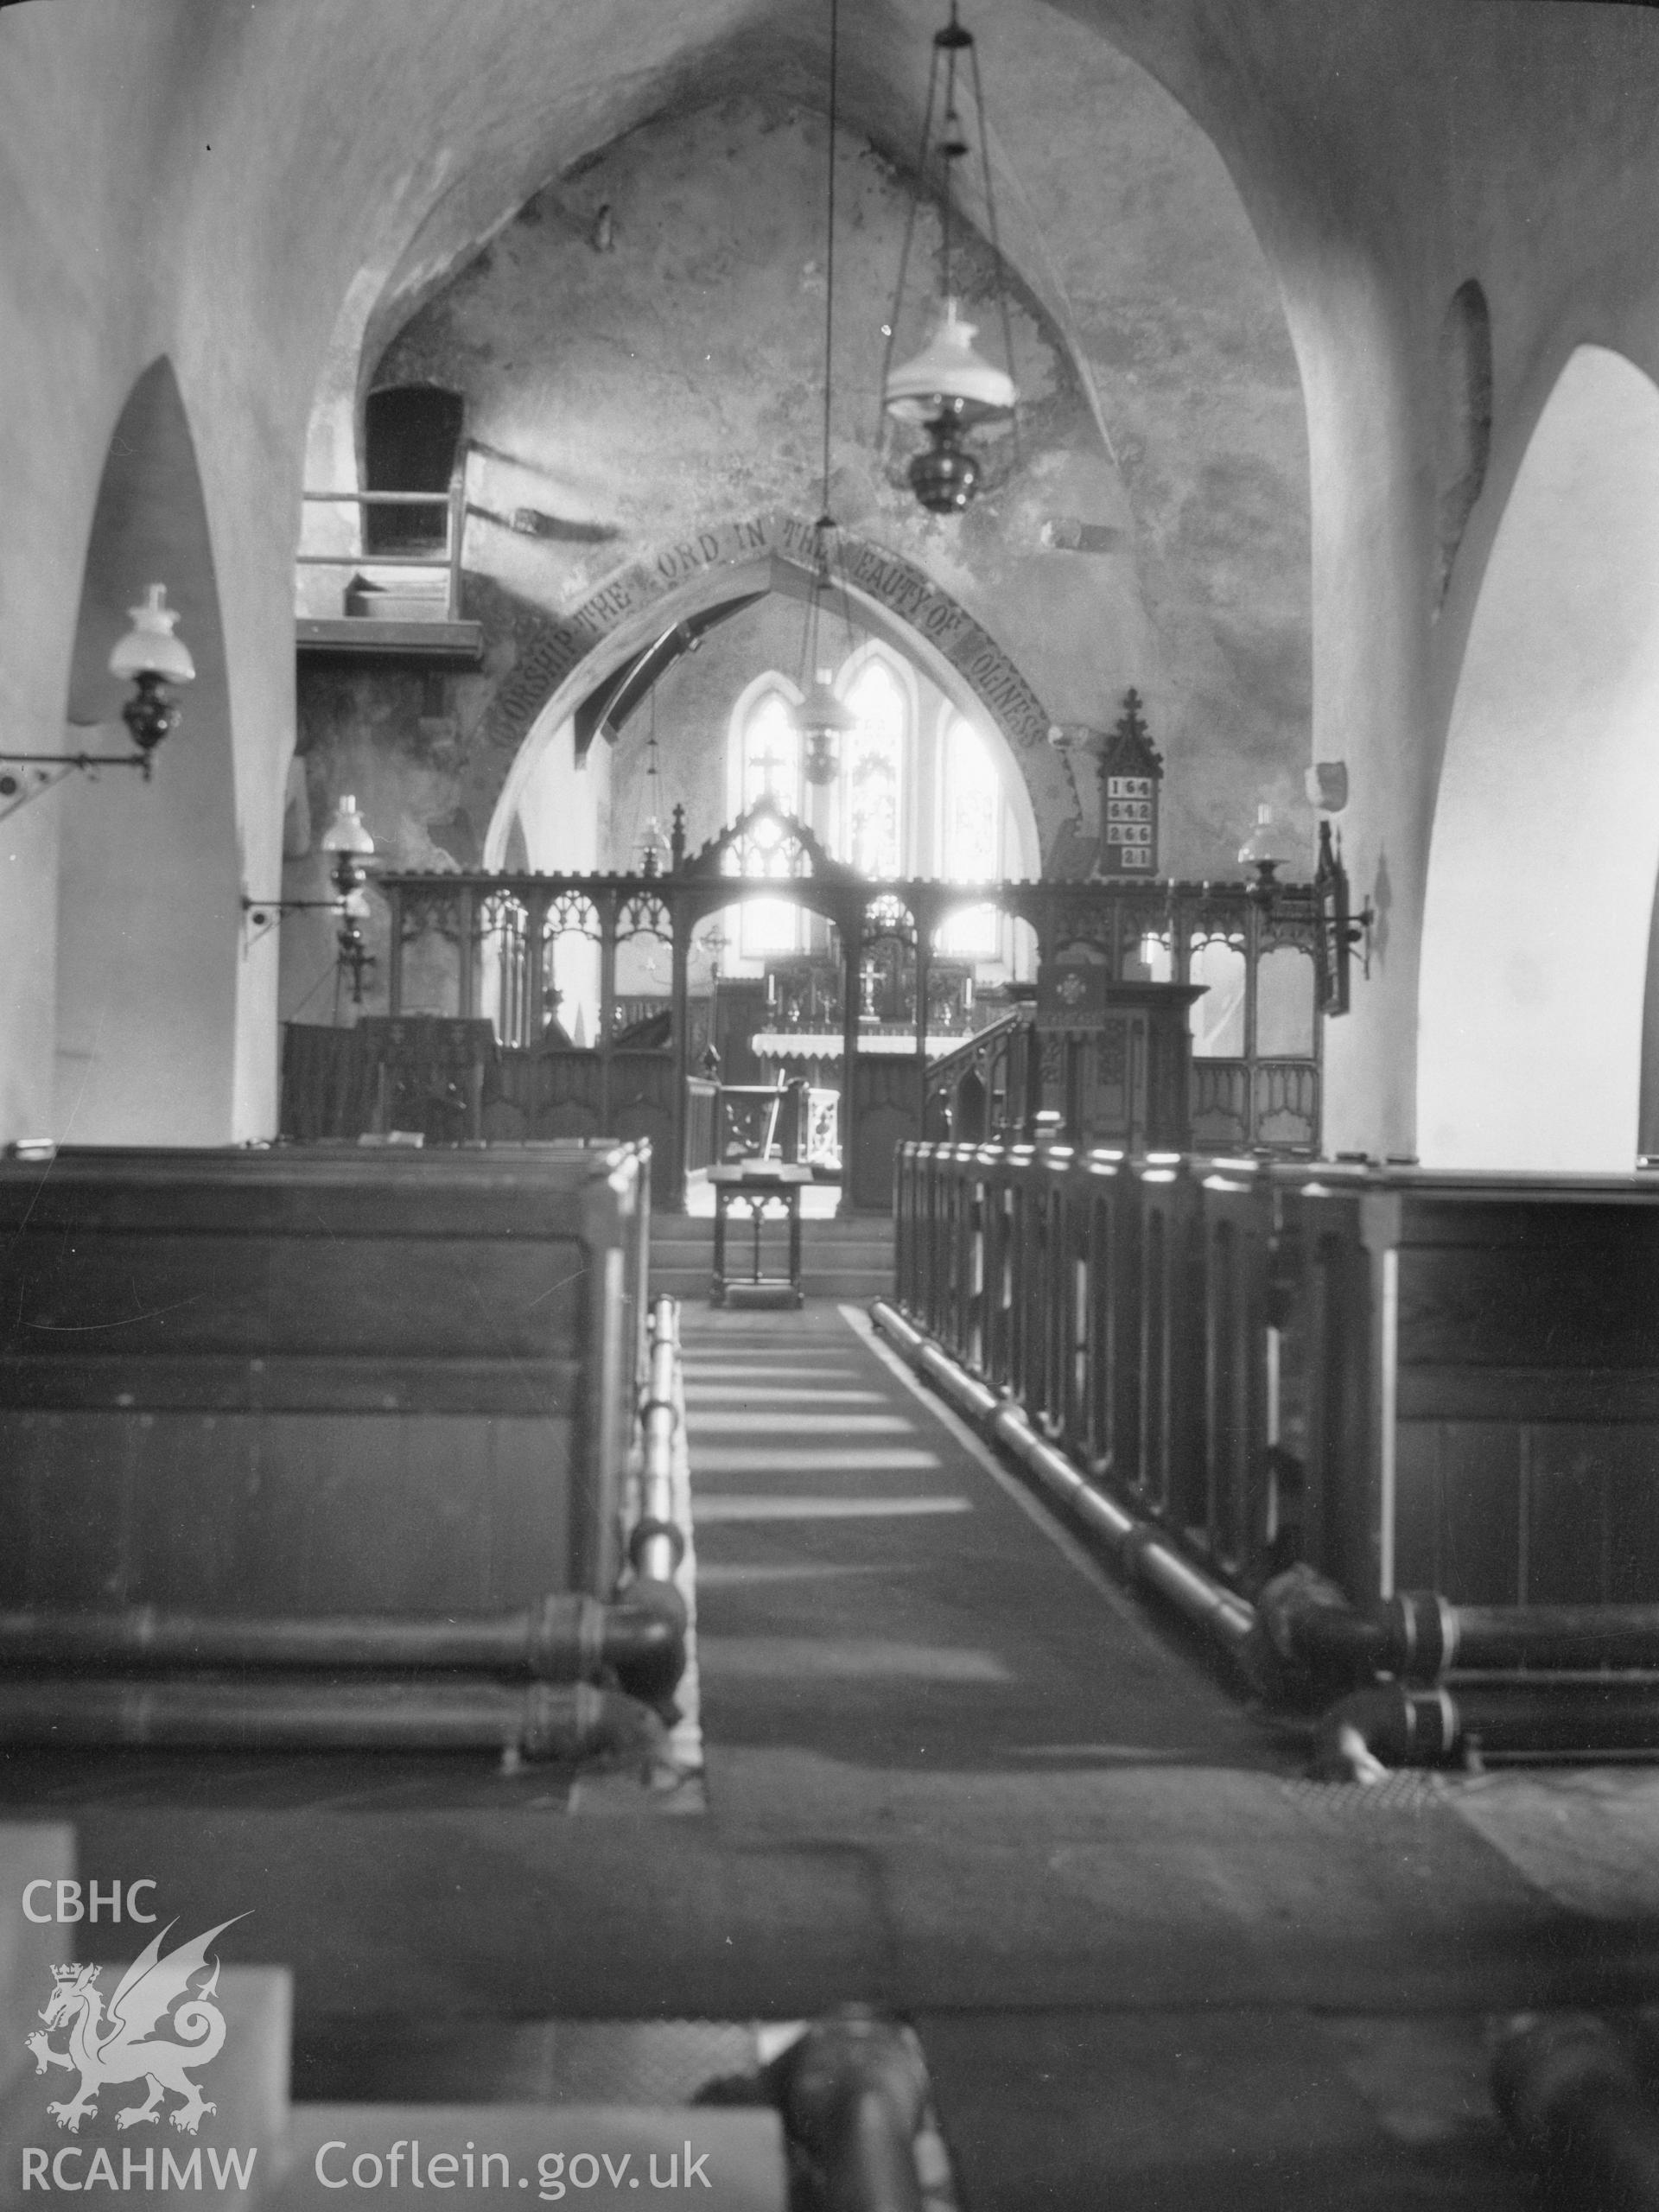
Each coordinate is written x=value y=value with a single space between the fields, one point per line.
x=347 y=832
x=822 y=762
x=948 y=377
x=822 y=710
x=1264 y=846
x=150 y=648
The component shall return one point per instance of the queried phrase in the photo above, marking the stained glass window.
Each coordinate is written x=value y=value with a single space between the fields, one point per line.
x=972 y=841
x=873 y=773
x=892 y=811
x=771 y=754
x=771 y=768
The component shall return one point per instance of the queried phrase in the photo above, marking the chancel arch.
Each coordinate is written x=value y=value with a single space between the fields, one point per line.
x=1546 y=834
x=734 y=563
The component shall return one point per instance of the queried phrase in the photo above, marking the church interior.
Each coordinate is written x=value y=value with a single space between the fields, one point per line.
x=828 y=1343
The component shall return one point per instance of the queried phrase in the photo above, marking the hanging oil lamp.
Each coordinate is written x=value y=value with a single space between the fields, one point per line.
x=655 y=856
x=822 y=717
x=948 y=388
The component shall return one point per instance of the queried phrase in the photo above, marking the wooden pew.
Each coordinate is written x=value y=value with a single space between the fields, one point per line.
x=1402 y=1379
x=1378 y=1432
x=1478 y=1357
x=317 y=1380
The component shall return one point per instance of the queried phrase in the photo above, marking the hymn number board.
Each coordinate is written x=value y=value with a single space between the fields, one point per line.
x=1131 y=847
x=1130 y=774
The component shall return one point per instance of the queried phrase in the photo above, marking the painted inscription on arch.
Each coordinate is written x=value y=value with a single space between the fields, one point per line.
x=893 y=583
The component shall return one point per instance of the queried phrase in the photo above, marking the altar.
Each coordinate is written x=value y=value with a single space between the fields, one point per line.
x=815 y=1054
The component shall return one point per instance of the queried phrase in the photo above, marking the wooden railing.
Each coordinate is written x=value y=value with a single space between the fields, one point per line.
x=440 y=565
x=1396 y=1378
x=981 y=1089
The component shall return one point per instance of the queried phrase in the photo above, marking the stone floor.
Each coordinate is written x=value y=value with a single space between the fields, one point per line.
x=953 y=1771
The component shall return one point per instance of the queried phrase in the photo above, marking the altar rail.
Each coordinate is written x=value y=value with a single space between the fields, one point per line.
x=325 y=1379
x=1402 y=1379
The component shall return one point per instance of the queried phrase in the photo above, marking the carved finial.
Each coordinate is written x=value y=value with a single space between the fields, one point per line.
x=1131 y=769
x=1132 y=722
x=1129 y=743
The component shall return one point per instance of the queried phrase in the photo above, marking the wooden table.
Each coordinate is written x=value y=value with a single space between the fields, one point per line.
x=758 y=1185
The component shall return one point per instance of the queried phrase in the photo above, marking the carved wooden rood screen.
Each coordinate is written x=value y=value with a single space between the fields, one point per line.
x=507 y=1019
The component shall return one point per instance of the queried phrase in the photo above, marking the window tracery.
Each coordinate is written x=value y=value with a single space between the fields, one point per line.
x=917 y=794
x=770 y=768
x=872 y=772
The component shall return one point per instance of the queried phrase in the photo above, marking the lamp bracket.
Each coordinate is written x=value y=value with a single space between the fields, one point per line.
x=51 y=769
x=1359 y=932
x=1340 y=929
x=87 y=761
x=263 y=915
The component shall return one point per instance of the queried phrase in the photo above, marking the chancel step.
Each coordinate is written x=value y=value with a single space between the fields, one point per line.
x=841 y=1260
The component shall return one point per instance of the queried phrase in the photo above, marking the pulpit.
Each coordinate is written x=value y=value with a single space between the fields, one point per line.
x=1117 y=1057
x=429 y=1073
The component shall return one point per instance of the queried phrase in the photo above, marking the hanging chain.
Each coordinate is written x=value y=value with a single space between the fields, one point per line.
x=1000 y=273
x=952 y=145
x=830 y=253
x=915 y=200
x=952 y=42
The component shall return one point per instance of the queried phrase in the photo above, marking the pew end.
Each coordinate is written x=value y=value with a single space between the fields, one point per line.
x=318 y=1446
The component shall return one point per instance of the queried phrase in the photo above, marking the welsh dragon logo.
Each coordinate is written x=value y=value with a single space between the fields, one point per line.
x=120 y=2046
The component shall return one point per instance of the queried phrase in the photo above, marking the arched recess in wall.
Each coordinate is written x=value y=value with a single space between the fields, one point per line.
x=1546 y=835
x=1463 y=424
x=900 y=607
x=149 y=920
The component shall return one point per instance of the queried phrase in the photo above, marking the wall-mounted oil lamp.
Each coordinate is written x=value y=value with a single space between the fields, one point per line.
x=150 y=658
x=1340 y=930
x=346 y=840
x=1262 y=850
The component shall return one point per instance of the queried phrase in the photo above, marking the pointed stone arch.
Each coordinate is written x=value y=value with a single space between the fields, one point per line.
x=150 y=919
x=1546 y=834
x=734 y=561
